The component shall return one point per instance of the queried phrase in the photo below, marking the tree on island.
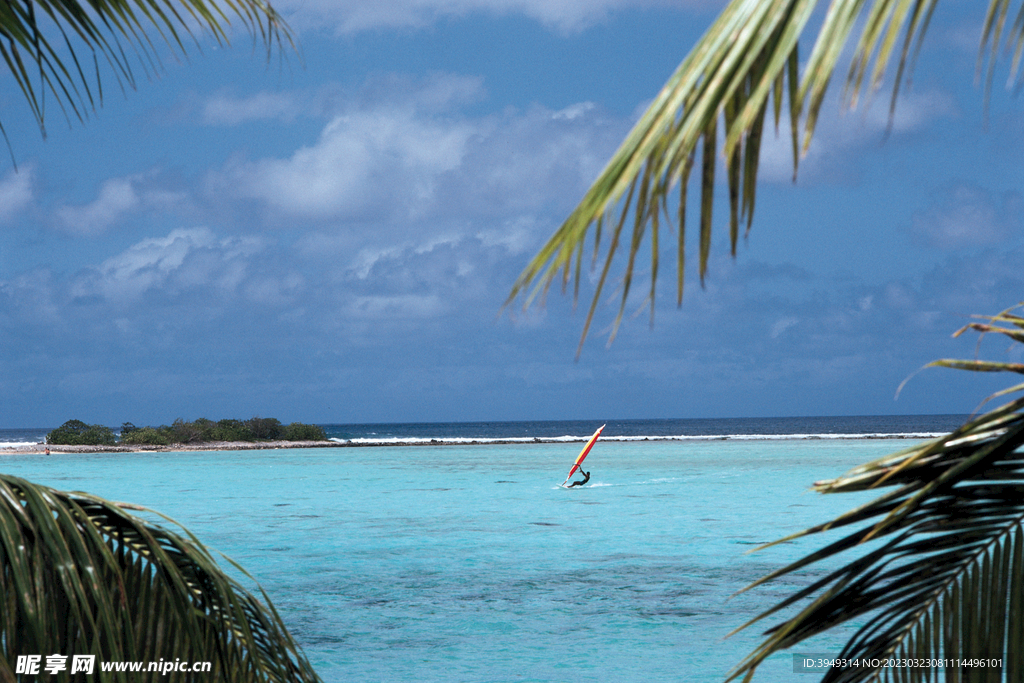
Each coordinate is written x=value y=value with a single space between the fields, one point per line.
x=83 y=575
x=946 y=578
x=76 y=432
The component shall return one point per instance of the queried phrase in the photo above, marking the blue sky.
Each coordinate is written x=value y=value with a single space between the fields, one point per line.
x=330 y=237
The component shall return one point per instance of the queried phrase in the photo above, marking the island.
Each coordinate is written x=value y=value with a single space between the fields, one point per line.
x=75 y=436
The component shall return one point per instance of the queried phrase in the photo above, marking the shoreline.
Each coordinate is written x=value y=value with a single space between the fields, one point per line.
x=55 y=449
x=40 y=448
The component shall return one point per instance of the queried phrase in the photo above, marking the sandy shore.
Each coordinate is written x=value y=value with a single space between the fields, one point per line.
x=40 y=448
x=178 y=447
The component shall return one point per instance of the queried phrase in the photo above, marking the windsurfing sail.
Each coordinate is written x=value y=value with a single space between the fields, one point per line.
x=583 y=453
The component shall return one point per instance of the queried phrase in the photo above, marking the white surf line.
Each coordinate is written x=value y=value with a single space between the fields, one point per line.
x=460 y=440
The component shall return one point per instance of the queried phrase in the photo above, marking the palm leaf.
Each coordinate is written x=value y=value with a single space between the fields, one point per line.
x=66 y=66
x=82 y=575
x=749 y=57
x=945 y=578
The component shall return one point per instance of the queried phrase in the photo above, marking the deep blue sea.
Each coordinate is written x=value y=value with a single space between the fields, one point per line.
x=437 y=562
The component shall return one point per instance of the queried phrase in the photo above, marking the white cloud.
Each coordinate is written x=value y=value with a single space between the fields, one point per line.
x=398 y=306
x=435 y=92
x=515 y=235
x=900 y=296
x=397 y=155
x=116 y=197
x=574 y=111
x=837 y=137
x=967 y=216
x=119 y=198
x=222 y=109
x=184 y=259
x=781 y=325
x=32 y=296
x=15 y=192
x=914 y=111
x=149 y=262
x=368 y=257
x=363 y=163
x=275 y=290
x=352 y=16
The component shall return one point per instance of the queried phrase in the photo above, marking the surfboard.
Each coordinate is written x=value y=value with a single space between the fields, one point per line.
x=583 y=454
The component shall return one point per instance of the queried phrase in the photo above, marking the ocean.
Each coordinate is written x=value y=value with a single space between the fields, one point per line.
x=468 y=563
x=758 y=428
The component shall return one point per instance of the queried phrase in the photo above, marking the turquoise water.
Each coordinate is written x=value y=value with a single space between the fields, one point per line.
x=468 y=563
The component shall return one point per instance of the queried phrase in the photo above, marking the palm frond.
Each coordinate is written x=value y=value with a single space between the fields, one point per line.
x=80 y=575
x=746 y=65
x=53 y=48
x=945 y=578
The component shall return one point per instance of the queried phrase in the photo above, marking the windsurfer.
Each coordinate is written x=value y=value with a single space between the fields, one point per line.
x=586 y=478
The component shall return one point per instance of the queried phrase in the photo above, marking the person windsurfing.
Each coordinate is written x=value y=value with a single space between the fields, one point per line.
x=579 y=461
x=586 y=478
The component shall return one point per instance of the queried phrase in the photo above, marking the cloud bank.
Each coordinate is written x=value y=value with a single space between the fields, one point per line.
x=567 y=16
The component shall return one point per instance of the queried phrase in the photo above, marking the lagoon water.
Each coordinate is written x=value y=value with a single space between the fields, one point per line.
x=468 y=563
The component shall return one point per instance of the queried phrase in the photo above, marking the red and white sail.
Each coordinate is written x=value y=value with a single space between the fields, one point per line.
x=583 y=453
